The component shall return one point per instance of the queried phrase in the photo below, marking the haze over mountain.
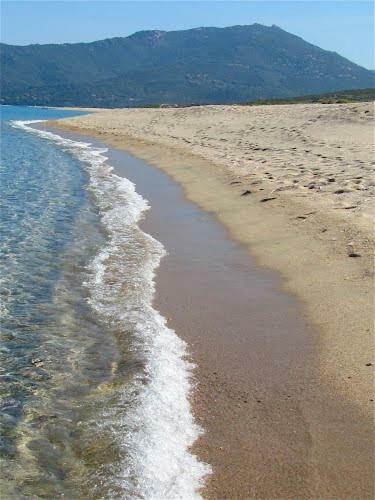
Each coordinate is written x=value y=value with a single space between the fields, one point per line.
x=202 y=65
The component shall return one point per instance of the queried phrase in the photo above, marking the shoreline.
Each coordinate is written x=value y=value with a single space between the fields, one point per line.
x=320 y=273
x=319 y=269
x=150 y=463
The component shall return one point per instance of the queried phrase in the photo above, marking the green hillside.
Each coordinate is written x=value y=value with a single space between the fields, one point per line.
x=340 y=97
x=203 y=65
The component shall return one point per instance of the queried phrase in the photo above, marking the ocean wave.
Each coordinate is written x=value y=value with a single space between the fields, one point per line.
x=158 y=426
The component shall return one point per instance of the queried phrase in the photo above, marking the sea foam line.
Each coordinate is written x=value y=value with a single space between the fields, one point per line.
x=160 y=427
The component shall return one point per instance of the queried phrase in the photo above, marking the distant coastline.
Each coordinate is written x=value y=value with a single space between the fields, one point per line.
x=340 y=97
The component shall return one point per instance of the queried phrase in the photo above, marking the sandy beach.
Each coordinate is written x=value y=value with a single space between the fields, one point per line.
x=293 y=186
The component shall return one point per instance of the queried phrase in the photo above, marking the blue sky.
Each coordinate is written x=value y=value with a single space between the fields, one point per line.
x=346 y=27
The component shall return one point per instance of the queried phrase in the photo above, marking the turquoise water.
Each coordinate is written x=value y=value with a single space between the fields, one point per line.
x=93 y=385
x=45 y=320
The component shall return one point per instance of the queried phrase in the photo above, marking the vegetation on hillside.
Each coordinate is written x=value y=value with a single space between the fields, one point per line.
x=344 y=96
x=200 y=66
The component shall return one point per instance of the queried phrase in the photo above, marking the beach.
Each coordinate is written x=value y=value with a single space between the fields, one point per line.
x=292 y=185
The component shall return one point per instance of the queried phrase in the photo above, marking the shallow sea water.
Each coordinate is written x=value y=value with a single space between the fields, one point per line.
x=93 y=384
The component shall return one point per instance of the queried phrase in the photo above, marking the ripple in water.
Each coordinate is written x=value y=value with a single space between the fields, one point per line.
x=95 y=385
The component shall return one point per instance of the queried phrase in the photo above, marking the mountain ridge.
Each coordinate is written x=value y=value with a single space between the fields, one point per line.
x=200 y=65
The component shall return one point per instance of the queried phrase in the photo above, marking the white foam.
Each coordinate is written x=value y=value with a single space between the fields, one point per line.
x=159 y=424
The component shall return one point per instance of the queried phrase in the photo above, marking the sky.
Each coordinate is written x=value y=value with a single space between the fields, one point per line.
x=346 y=27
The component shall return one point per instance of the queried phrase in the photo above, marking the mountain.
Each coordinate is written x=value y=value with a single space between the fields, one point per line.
x=202 y=65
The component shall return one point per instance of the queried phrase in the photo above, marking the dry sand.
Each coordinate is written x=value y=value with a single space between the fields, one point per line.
x=294 y=184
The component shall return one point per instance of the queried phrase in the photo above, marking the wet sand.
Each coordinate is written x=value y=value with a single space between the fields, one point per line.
x=275 y=426
x=273 y=430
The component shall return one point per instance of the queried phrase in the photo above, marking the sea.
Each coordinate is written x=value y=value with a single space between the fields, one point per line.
x=94 y=386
